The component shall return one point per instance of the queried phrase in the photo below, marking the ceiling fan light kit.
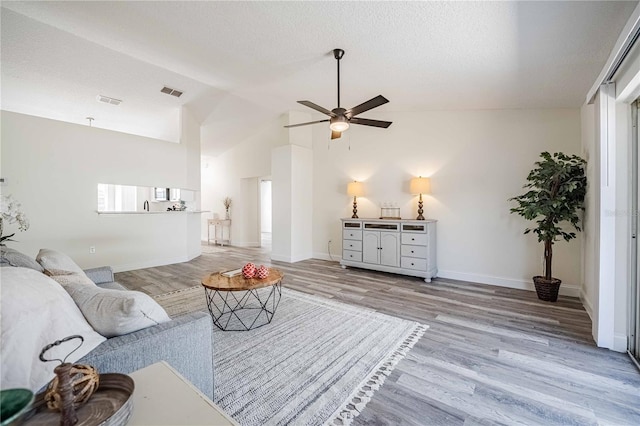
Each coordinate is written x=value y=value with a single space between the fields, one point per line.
x=339 y=124
x=340 y=118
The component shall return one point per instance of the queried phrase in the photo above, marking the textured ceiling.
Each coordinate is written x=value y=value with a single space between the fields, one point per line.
x=241 y=64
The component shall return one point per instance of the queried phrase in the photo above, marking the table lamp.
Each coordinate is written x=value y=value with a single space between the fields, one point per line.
x=355 y=189
x=420 y=186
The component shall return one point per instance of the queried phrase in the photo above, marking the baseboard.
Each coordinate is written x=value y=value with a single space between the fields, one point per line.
x=619 y=343
x=149 y=263
x=565 y=289
x=250 y=244
x=289 y=259
x=586 y=302
x=325 y=256
x=280 y=258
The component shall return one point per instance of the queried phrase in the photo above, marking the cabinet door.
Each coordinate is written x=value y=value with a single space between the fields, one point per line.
x=370 y=245
x=390 y=253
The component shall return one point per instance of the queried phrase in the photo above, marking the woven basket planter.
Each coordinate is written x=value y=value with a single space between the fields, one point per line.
x=547 y=290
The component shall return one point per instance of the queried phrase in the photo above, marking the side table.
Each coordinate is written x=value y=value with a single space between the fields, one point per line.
x=163 y=397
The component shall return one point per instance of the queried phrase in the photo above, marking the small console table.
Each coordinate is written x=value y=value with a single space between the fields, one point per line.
x=222 y=224
x=404 y=246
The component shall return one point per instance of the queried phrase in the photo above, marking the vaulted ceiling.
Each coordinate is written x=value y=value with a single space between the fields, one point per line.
x=242 y=64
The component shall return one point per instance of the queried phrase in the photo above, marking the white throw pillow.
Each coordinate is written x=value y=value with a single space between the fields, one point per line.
x=36 y=311
x=112 y=312
x=57 y=263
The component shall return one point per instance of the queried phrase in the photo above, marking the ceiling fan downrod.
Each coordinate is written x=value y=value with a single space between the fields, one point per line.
x=338 y=54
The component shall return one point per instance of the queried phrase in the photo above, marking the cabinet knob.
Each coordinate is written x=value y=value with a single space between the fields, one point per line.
x=413 y=239
x=411 y=251
x=411 y=263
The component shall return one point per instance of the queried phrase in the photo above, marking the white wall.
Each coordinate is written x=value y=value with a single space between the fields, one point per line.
x=247 y=212
x=53 y=168
x=222 y=176
x=190 y=141
x=476 y=161
x=292 y=183
x=265 y=206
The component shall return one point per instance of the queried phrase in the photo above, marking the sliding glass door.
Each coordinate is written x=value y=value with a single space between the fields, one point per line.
x=634 y=288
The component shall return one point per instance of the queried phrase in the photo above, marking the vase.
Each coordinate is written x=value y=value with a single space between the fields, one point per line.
x=227 y=216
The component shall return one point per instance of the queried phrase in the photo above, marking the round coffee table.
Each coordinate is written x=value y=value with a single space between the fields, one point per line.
x=240 y=304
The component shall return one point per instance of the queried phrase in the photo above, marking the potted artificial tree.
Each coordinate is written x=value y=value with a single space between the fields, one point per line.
x=555 y=195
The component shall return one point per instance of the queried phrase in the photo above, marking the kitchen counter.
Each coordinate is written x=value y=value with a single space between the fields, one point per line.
x=158 y=212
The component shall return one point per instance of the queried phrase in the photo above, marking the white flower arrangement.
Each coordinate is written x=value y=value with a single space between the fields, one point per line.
x=11 y=212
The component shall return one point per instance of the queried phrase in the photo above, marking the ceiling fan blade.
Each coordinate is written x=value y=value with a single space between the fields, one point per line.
x=306 y=124
x=366 y=106
x=367 y=122
x=335 y=135
x=317 y=108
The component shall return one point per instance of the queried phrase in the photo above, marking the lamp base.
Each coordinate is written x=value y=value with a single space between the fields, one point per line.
x=355 y=209
x=420 y=211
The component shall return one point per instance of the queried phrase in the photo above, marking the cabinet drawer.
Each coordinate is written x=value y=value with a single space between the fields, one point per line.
x=354 y=256
x=414 y=239
x=413 y=251
x=352 y=225
x=412 y=263
x=352 y=245
x=412 y=227
x=352 y=235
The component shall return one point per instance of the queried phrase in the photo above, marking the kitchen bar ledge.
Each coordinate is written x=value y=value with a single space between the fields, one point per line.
x=159 y=212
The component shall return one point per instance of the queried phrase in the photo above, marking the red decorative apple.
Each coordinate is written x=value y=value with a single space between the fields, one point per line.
x=262 y=272
x=249 y=270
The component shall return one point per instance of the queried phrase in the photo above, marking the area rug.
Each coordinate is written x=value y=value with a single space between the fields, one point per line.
x=318 y=362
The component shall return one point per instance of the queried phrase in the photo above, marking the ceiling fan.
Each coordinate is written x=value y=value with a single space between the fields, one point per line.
x=341 y=118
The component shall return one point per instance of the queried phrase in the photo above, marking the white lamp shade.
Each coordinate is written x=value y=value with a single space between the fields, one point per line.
x=420 y=185
x=355 y=189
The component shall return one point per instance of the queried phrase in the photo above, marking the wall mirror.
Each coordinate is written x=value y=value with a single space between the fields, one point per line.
x=129 y=198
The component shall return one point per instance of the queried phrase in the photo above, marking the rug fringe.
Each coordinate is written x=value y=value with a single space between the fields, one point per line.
x=362 y=395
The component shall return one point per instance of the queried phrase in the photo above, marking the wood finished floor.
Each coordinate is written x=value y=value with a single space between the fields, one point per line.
x=491 y=355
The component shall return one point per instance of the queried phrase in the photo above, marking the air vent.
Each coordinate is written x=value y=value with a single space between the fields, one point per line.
x=172 y=92
x=108 y=100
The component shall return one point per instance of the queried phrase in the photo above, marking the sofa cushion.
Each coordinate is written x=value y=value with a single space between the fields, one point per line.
x=36 y=311
x=112 y=312
x=57 y=263
x=15 y=258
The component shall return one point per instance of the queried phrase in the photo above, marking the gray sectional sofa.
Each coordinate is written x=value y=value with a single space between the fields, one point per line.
x=185 y=342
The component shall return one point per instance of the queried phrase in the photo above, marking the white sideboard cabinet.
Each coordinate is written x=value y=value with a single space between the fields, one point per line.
x=406 y=247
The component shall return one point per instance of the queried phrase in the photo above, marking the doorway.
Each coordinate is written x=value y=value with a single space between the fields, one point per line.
x=265 y=213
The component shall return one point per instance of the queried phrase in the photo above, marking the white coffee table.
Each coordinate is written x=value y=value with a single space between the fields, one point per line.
x=163 y=397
